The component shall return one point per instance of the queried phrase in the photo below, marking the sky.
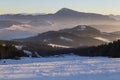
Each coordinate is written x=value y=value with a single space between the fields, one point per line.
x=51 y=6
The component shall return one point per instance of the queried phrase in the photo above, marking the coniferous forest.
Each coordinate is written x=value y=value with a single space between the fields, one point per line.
x=9 y=51
x=105 y=50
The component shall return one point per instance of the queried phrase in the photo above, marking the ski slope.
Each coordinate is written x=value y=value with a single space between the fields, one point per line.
x=61 y=68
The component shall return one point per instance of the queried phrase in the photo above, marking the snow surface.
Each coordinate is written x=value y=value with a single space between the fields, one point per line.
x=61 y=68
x=16 y=27
x=28 y=52
x=82 y=27
x=59 y=46
x=66 y=39
x=3 y=45
x=46 y=40
x=102 y=39
x=19 y=47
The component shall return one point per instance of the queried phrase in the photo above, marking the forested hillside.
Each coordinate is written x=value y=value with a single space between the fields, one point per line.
x=105 y=50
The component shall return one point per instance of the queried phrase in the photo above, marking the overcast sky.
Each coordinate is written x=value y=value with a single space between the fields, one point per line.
x=51 y=6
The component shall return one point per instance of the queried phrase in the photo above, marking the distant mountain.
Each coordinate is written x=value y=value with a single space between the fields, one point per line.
x=65 y=12
x=78 y=36
x=117 y=17
x=63 y=18
x=8 y=23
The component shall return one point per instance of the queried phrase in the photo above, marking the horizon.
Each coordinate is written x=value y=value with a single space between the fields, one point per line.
x=54 y=13
x=51 y=13
x=104 y=7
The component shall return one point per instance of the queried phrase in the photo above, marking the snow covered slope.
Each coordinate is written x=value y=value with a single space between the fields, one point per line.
x=103 y=39
x=61 y=68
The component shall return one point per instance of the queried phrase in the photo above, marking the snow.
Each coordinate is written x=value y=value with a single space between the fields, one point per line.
x=19 y=47
x=64 y=38
x=28 y=52
x=46 y=40
x=61 y=68
x=82 y=27
x=16 y=27
x=105 y=33
x=19 y=31
x=3 y=45
x=102 y=39
x=37 y=55
x=59 y=46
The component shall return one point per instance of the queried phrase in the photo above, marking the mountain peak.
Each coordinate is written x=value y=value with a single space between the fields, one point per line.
x=65 y=11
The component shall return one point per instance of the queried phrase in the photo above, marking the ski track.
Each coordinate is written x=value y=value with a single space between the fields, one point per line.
x=61 y=68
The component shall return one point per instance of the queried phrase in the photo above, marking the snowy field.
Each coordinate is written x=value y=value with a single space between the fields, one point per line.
x=61 y=68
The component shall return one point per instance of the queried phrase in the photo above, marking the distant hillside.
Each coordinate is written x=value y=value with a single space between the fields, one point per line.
x=80 y=35
x=106 y=50
x=14 y=50
x=8 y=23
x=63 y=13
x=117 y=17
x=89 y=17
x=111 y=50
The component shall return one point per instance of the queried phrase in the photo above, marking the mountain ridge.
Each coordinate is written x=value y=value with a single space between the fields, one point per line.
x=80 y=35
x=62 y=10
x=64 y=18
